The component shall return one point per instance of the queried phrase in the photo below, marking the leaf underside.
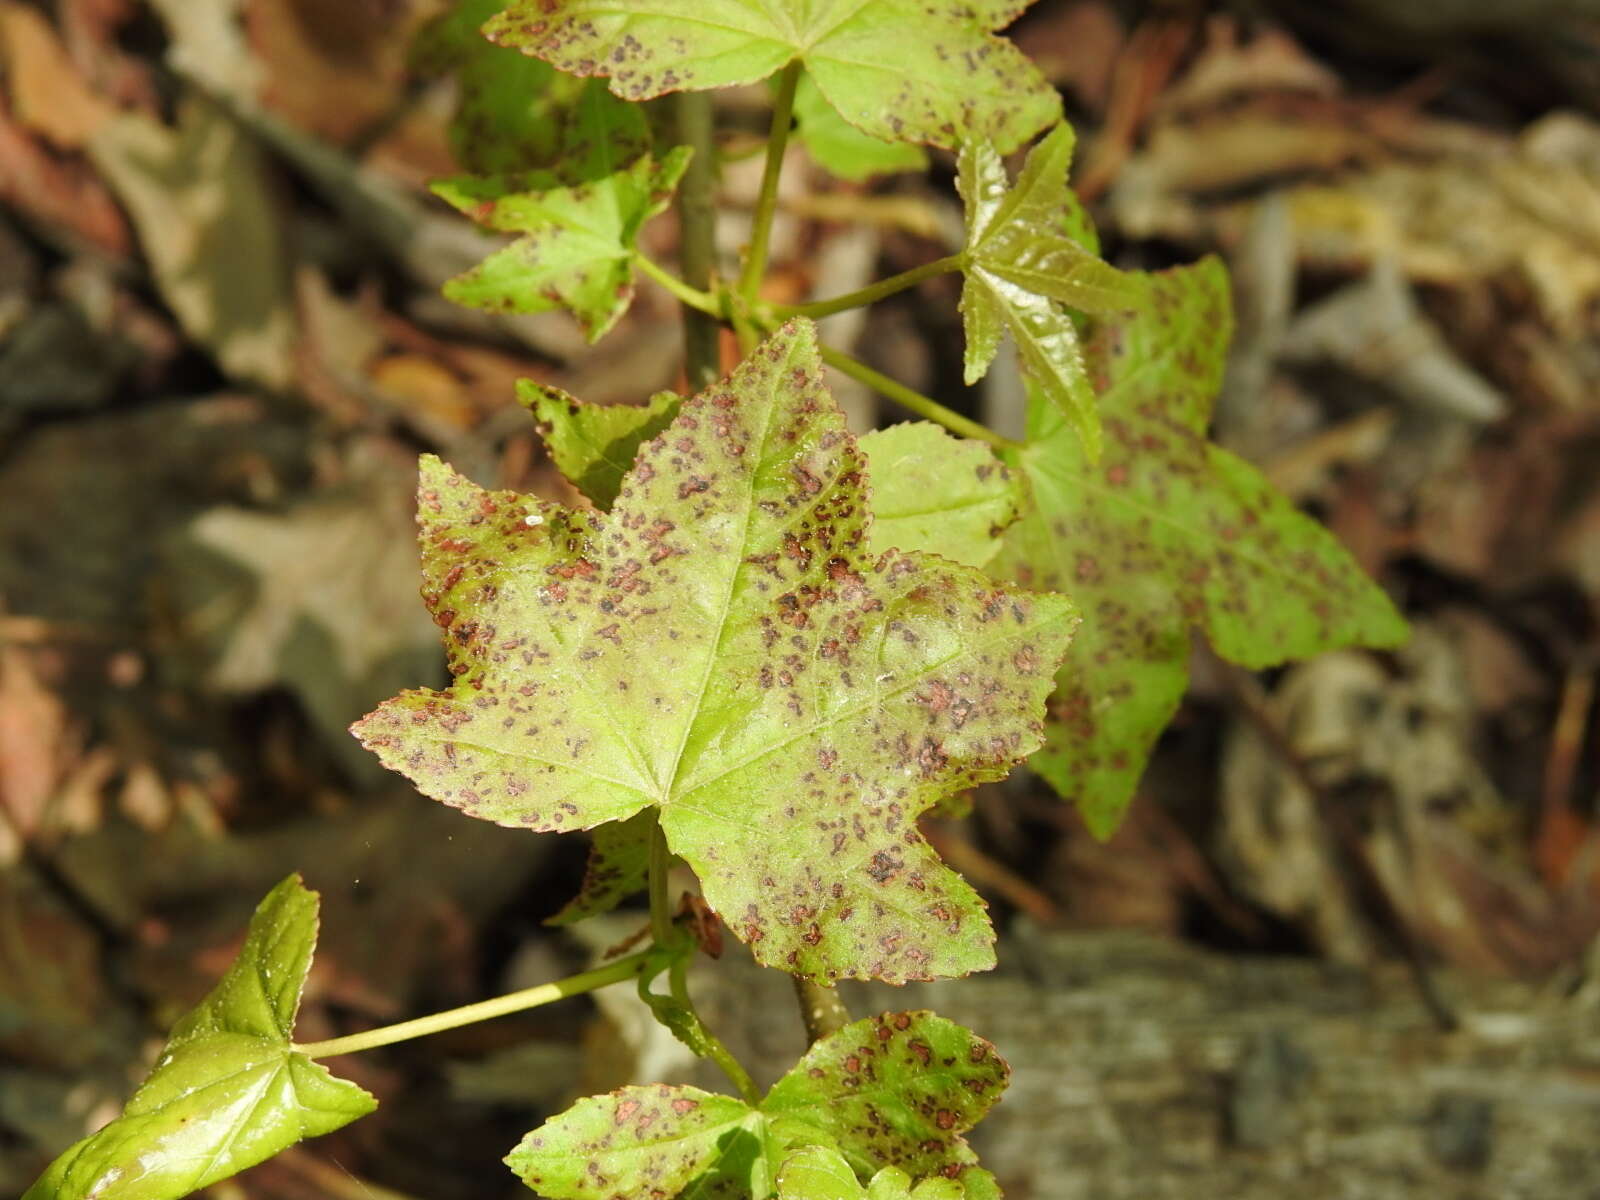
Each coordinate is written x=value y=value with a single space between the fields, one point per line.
x=722 y=646
x=894 y=1092
x=927 y=71
x=1167 y=532
x=1023 y=264
x=228 y=1091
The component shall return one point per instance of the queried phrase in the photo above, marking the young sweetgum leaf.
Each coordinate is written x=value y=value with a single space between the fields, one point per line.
x=1167 y=532
x=900 y=70
x=1023 y=263
x=721 y=645
x=896 y=1090
x=839 y=147
x=577 y=249
x=517 y=113
x=593 y=445
x=931 y=491
x=228 y=1090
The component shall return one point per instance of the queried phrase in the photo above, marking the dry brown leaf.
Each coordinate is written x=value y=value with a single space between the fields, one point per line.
x=47 y=94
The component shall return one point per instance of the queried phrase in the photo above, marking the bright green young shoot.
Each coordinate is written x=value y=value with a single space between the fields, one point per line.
x=722 y=646
x=577 y=245
x=821 y=1173
x=1167 y=532
x=927 y=71
x=228 y=1091
x=1023 y=265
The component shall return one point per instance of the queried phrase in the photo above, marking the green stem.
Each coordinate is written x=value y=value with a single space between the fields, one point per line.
x=690 y=297
x=922 y=405
x=755 y=263
x=484 y=1010
x=697 y=235
x=873 y=293
x=660 y=902
x=821 y=1009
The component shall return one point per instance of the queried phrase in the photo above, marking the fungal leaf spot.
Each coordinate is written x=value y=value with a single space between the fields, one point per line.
x=722 y=645
x=897 y=1090
x=953 y=79
x=575 y=248
x=1167 y=532
x=1023 y=263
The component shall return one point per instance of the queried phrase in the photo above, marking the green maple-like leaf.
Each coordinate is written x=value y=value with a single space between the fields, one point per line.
x=931 y=491
x=891 y=1092
x=594 y=445
x=577 y=250
x=229 y=1090
x=900 y=70
x=1165 y=533
x=842 y=149
x=720 y=645
x=1023 y=262
x=517 y=113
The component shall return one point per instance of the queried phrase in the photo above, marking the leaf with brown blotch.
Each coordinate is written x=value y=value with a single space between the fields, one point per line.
x=722 y=646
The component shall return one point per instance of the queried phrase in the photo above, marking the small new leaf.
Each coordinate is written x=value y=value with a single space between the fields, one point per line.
x=928 y=71
x=593 y=445
x=618 y=867
x=517 y=113
x=577 y=249
x=839 y=147
x=229 y=1090
x=1167 y=532
x=1023 y=263
x=937 y=493
x=722 y=645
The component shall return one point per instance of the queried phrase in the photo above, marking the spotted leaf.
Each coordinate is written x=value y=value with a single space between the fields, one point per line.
x=1023 y=264
x=1167 y=532
x=721 y=645
x=577 y=246
x=516 y=113
x=640 y=1141
x=946 y=495
x=900 y=70
x=229 y=1089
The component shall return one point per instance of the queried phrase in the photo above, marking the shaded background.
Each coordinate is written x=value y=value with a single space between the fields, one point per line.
x=222 y=347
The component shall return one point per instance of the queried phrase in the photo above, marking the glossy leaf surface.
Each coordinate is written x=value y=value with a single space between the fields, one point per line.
x=946 y=495
x=1023 y=264
x=228 y=1090
x=517 y=113
x=722 y=646
x=1167 y=533
x=593 y=445
x=900 y=70
x=577 y=246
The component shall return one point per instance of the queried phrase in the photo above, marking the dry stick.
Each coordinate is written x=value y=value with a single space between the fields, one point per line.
x=1247 y=695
